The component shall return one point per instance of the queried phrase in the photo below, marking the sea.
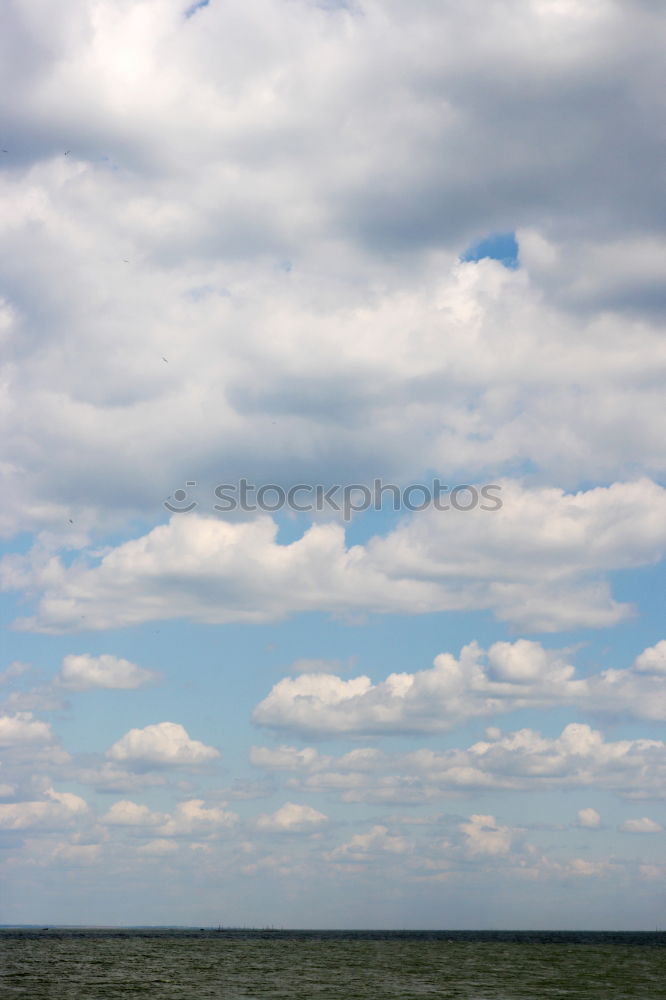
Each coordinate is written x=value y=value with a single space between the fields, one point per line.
x=240 y=964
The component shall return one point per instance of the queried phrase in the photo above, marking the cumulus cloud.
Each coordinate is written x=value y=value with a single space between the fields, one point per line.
x=85 y=672
x=589 y=818
x=164 y=744
x=506 y=677
x=128 y=813
x=642 y=825
x=73 y=803
x=522 y=760
x=482 y=835
x=23 y=729
x=55 y=811
x=291 y=818
x=652 y=660
x=253 y=195
x=190 y=818
x=194 y=817
x=537 y=562
x=376 y=841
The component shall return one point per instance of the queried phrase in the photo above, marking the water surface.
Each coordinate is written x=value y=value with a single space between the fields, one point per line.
x=87 y=964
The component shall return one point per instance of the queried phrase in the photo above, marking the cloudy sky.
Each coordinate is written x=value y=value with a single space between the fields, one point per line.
x=322 y=244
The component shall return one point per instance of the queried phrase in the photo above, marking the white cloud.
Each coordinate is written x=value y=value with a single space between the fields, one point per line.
x=165 y=744
x=76 y=855
x=293 y=818
x=23 y=729
x=55 y=811
x=128 y=813
x=584 y=868
x=238 y=162
x=85 y=672
x=193 y=816
x=482 y=835
x=74 y=803
x=642 y=825
x=588 y=818
x=506 y=677
x=376 y=841
x=652 y=660
x=536 y=562
x=523 y=760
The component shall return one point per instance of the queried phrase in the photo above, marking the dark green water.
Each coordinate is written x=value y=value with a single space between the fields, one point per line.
x=290 y=965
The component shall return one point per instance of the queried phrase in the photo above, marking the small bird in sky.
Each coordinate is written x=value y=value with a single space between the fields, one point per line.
x=67 y=152
x=5 y=151
x=164 y=359
x=70 y=521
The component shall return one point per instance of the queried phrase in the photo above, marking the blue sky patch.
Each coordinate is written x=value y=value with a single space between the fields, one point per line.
x=498 y=246
x=191 y=11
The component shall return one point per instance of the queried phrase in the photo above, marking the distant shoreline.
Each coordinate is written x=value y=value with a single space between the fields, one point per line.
x=460 y=934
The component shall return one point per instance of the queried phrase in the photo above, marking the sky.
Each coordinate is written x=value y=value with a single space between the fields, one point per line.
x=331 y=245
